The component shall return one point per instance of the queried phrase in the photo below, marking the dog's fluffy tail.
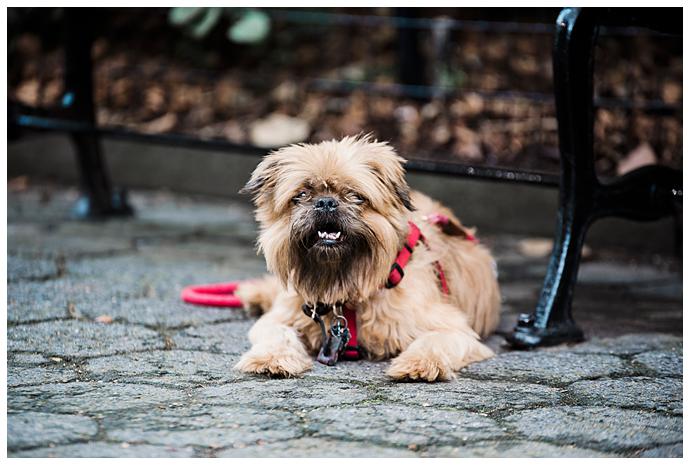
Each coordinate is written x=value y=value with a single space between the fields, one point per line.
x=258 y=295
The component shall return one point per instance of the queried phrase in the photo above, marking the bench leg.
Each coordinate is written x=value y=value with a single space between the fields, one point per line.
x=552 y=322
x=97 y=198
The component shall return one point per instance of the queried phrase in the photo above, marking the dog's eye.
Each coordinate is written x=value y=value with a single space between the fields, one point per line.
x=356 y=198
x=301 y=196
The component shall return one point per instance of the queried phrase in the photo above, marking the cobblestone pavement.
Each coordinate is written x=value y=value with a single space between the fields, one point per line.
x=105 y=361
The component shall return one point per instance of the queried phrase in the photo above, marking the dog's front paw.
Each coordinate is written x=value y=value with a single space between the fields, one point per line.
x=281 y=362
x=414 y=367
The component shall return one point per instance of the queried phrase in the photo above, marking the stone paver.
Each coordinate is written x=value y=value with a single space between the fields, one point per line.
x=400 y=425
x=31 y=429
x=165 y=367
x=316 y=447
x=19 y=359
x=203 y=426
x=603 y=428
x=106 y=449
x=640 y=393
x=550 y=367
x=665 y=363
x=229 y=338
x=30 y=268
x=105 y=361
x=630 y=344
x=46 y=241
x=163 y=313
x=32 y=301
x=71 y=338
x=477 y=395
x=513 y=449
x=285 y=394
x=29 y=376
x=94 y=397
x=671 y=451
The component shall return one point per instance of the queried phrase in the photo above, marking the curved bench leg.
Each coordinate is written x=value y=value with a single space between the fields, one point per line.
x=646 y=194
x=552 y=322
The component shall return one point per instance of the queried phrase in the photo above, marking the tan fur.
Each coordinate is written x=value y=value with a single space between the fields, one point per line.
x=258 y=295
x=432 y=335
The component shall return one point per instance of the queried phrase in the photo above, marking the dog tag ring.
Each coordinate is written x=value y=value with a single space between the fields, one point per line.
x=334 y=345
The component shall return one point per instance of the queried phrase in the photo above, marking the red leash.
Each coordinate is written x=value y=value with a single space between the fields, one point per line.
x=213 y=295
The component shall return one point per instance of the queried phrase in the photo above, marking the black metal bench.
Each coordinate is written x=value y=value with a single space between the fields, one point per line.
x=646 y=194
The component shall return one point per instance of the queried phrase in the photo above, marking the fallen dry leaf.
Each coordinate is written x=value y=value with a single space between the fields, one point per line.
x=18 y=184
x=163 y=124
x=640 y=156
x=277 y=130
x=27 y=92
x=105 y=319
x=538 y=247
x=535 y=247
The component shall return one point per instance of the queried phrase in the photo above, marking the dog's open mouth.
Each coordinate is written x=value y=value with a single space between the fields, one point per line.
x=327 y=235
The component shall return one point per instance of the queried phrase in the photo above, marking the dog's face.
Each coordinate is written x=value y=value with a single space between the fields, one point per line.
x=332 y=216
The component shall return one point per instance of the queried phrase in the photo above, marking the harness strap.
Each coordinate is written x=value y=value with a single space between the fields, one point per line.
x=449 y=227
x=352 y=349
x=397 y=273
x=413 y=237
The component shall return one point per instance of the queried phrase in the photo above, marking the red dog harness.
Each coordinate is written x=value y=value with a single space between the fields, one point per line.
x=222 y=294
x=414 y=236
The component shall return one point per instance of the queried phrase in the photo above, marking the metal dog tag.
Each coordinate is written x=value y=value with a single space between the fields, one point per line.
x=334 y=345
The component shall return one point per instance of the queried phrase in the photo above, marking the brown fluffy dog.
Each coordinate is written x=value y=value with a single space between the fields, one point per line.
x=355 y=190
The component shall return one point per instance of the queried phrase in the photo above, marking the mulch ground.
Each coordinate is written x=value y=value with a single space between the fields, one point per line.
x=150 y=77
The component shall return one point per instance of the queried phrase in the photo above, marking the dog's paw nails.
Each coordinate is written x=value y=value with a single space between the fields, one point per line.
x=278 y=363
x=410 y=368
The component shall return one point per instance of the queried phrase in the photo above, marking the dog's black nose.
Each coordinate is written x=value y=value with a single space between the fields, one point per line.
x=325 y=204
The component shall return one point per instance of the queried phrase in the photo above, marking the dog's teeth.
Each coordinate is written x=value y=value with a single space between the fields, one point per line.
x=329 y=235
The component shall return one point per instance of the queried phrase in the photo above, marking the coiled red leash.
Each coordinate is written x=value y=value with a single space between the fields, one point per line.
x=213 y=295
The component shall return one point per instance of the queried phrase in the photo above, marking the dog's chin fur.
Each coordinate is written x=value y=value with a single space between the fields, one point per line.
x=345 y=252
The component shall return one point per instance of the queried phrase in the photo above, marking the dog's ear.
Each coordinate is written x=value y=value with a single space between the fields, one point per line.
x=262 y=178
x=388 y=167
x=253 y=186
x=403 y=193
x=393 y=176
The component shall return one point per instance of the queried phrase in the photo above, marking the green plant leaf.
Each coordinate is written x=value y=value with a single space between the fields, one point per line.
x=201 y=28
x=253 y=26
x=179 y=16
